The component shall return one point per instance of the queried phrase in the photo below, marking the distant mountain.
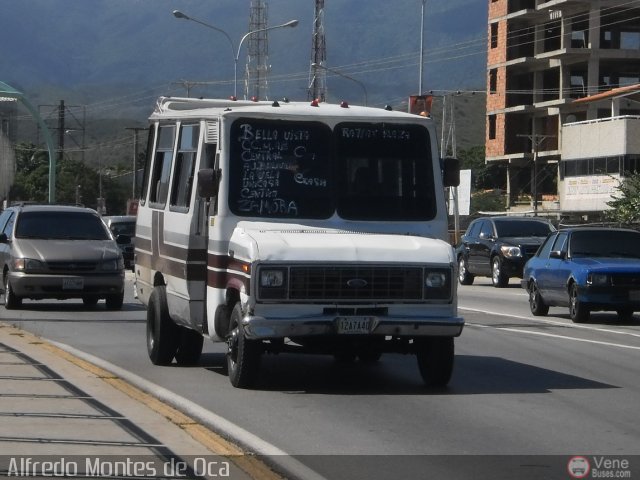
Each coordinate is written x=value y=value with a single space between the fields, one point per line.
x=117 y=56
x=139 y=44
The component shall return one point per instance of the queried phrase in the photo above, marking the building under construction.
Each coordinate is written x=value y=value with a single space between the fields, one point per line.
x=544 y=60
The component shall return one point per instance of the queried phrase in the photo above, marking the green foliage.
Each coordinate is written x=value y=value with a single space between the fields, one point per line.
x=76 y=182
x=625 y=206
x=487 y=201
x=483 y=176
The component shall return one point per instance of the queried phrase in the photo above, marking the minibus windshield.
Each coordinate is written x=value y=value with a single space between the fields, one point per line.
x=305 y=170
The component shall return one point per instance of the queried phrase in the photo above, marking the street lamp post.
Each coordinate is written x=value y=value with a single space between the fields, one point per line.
x=340 y=74
x=235 y=53
x=421 y=49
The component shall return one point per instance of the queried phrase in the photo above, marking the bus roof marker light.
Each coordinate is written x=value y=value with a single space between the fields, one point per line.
x=275 y=104
x=388 y=108
x=233 y=98
x=254 y=99
x=315 y=102
x=344 y=104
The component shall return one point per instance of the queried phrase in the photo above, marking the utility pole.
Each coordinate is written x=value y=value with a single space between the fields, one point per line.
x=258 y=49
x=317 y=74
x=61 y=130
x=71 y=121
x=421 y=74
x=536 y=140
x=135 y=158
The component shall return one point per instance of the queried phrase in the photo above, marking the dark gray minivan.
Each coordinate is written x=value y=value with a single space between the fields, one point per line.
x=61 y=252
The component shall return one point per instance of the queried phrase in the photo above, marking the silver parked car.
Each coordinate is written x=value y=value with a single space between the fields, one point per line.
x=55 y=251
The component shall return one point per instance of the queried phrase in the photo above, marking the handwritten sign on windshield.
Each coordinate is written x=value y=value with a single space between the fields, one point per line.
x=280 y=169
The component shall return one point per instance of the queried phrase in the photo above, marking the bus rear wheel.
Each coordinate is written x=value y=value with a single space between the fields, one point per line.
x=189 y=346
x=162 y=334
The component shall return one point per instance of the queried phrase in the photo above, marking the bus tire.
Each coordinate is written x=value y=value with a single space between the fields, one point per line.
x=435 y=357
x=243 y=354
x=162 y=334
x=189 y=347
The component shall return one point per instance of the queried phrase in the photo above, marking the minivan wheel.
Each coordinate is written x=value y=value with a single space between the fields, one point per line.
x=90 y=301
x=11 y=301
x=435 y=357
x=498 y=277
x=162 y=334
x=114 y=302
x=464 y=277
x=243 y=354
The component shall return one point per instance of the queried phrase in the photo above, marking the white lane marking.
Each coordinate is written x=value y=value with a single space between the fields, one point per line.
x=563 y=337
x=552 y=322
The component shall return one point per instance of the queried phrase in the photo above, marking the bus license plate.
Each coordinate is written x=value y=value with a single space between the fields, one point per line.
x=72 y=283
x=354 y=325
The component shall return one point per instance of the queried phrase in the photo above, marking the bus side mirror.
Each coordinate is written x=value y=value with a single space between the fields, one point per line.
x=208 y=181
x=450 y=172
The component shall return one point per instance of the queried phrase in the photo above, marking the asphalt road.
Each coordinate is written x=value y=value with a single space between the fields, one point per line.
x=527 y=394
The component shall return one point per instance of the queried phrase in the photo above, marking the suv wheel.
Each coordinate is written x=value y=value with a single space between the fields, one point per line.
x=464 y=277
x=498 y=278
x=625 y=314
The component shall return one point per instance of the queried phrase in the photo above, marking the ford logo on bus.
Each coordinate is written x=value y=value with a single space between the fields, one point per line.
x=357 y=283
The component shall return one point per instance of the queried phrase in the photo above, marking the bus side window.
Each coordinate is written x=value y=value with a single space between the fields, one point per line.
x=162 y=166
x=147 y=165
x=185 y=165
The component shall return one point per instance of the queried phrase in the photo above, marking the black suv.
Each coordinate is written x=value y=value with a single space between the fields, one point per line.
x=498 y=247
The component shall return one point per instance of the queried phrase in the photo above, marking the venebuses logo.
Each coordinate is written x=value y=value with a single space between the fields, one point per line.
x=578 y=467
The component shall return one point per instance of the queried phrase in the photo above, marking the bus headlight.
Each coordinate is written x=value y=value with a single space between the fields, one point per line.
x=437 y=284
x=271 y=278
x=435 y=280
x=272 y=283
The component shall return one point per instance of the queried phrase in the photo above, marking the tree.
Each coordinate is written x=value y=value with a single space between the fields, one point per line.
x=76 y=182
x=483 y=176
x=487 y=181
x=625 y=206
